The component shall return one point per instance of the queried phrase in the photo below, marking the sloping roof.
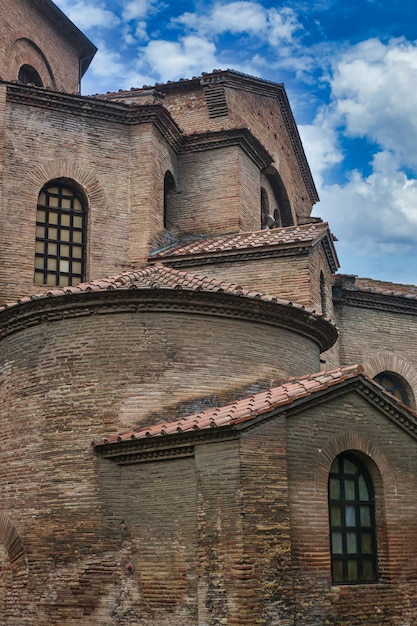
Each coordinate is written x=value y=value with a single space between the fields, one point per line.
x=242 y=410
x=283 y=238
x=374 y=294
x=156 y=276
x=86 y=49
x=369 y=285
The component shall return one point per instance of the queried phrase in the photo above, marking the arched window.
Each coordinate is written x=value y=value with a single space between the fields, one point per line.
x=264 y=209
x=169 y=190
x=60 y=236
x=323 y=299
x=352 y=522
x=29 y=76
x=394 y=385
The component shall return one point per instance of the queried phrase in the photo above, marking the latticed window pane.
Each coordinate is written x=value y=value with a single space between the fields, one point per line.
x=60 y=237
x=352 y=522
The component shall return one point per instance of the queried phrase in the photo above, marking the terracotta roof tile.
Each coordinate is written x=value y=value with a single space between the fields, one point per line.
x=156 y=276
x=369 y=285
x=245 y=409
x=305 y=233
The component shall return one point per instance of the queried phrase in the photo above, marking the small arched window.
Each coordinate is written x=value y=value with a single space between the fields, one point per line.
x=60 y=236
x=29 y=76
x=169 y=190
x=352 y=522
x=394 y=385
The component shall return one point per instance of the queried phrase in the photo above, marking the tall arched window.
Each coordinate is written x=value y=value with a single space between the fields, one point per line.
x=323 y=299
x=60 y=236
x=352 y=522
x=169 y=190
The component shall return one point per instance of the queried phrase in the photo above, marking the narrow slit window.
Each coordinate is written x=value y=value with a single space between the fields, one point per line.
x=60 y=237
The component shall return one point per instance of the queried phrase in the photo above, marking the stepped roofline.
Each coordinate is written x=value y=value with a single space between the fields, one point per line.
x=234 y=80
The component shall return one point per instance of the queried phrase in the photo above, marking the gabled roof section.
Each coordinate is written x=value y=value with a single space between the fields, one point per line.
x=85 y=48
x=178 y=436
x=237 y=80
x=242 y=410
x=226 y=247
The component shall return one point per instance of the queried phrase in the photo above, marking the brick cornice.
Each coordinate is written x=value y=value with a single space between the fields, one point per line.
x=241 y=137
x=83 y=106
x=176 y=447
x=292 y=318
x=375 y=301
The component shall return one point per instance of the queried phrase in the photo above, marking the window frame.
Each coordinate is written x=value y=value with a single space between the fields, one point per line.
x=345 y=560
x=60 y=244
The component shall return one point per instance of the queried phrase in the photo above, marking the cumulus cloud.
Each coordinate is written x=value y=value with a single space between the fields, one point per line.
x=136 y=9
x=371 y=85
x=272 y=26
x=171 y=60
x=375 y=213
x=86 y=14
x=109 y=62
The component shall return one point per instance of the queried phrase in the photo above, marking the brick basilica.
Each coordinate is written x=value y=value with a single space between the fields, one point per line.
x=203 y=422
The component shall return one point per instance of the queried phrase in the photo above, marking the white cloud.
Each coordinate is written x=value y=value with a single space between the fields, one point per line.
x=171 y=60
x=86 y=14
x=272 y=26
x=371 y=86
x=374 y=214
x=109 y=63
x=137 y=9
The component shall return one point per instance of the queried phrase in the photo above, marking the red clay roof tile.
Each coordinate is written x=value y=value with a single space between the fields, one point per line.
x=245 y=409
x=156 y=276
x=376 y=286
x=306 y=233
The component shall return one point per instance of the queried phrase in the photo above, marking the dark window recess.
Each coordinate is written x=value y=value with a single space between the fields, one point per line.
x=29 y=76
x=352 y=522
x=60 y=237
x=393 y=385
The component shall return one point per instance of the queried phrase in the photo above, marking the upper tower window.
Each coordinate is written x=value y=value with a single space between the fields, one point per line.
x=29 y=76
x=60 y=236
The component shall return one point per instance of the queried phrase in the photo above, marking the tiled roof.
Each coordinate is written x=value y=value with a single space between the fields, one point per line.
x=156 y=276
x=383 y=288
x=288 y=236
x=242 y=410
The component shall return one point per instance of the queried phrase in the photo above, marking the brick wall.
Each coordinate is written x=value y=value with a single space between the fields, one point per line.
x=372 y=336
x=20 y=22
x=315 y=437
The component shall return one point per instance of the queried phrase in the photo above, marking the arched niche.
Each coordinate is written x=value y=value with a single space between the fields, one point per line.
x=283 y=214
x=169 y=192
x=29 y=65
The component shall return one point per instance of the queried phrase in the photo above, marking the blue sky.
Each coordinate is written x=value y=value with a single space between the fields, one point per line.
x=350 y=71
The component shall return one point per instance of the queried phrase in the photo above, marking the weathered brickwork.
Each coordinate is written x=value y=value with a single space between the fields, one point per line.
x=36 y=34
x=382 y=340
x=166 y=433
x=314 y=438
